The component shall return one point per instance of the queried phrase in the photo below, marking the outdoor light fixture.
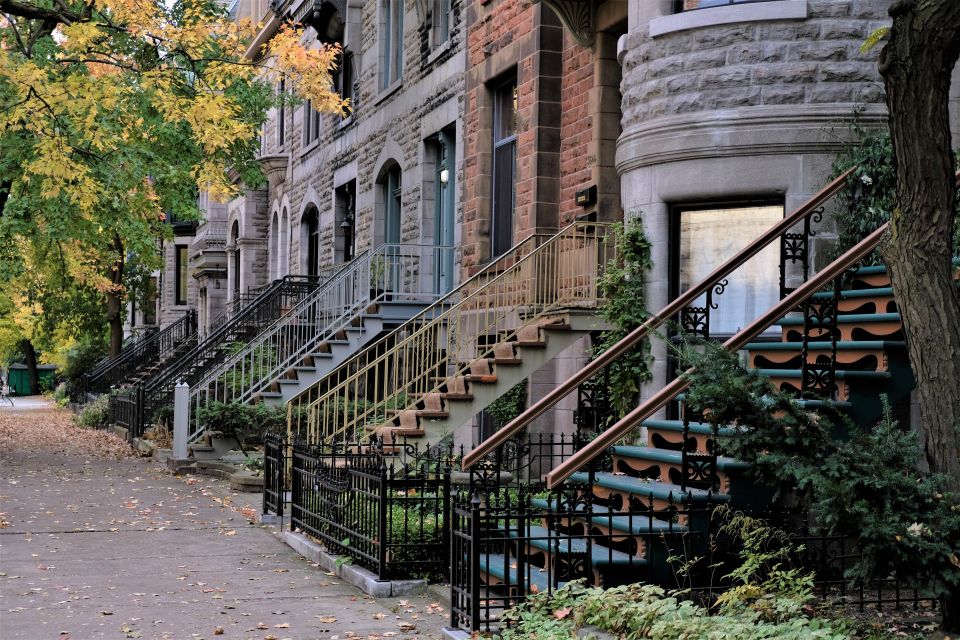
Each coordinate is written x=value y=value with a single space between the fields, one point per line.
x=347 y=222
x=444 y=176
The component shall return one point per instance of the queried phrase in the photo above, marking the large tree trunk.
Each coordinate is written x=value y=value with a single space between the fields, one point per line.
x=916 y=64
x=115 y=300
x=30 y=357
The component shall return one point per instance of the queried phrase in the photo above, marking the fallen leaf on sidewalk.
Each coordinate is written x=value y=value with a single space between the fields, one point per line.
x=327 y=619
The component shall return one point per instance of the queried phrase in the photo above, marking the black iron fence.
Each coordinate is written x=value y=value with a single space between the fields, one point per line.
x=387 y=511
x=275 y=475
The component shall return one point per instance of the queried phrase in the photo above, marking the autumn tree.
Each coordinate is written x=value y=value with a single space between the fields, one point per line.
x=113 y=113
x=917 y=63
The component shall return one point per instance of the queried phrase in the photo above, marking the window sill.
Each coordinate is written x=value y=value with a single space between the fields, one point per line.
x=729 y=14
x=388 y=91
x=307 y=150
x=441 y=51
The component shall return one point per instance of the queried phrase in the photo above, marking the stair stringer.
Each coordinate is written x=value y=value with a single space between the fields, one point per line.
x=461 y=412
x=325 y=363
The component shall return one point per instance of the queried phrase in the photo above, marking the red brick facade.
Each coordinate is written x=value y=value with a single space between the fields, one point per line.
x=560 y=99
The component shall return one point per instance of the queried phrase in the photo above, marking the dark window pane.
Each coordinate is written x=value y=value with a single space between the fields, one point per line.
x=504 y=158
x=180 y=285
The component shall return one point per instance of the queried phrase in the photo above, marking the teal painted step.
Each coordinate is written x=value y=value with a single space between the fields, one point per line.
x=800 y=402
x=851 y=318
x=645 y=489
x=651 y=454
x=697 y=428
x=554 y=542
x=637 y=524
x=850 y=294
x=842 y=345
x=498 y=566
x=841 y=374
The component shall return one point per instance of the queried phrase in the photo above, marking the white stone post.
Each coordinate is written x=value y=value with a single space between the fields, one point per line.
x=181 y=420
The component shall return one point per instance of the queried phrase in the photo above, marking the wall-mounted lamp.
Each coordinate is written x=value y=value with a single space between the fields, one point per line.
x=444 y=176
x=347 y=222
x=216 y=283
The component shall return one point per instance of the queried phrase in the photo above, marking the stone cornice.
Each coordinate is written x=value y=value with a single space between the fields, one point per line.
x=746 y=131
x=275 y=168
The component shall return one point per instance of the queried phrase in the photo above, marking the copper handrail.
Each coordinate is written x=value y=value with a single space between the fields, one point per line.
x=606 y=439
x=634 y=337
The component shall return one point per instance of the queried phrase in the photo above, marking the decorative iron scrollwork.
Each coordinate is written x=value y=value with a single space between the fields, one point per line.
x=695 y=321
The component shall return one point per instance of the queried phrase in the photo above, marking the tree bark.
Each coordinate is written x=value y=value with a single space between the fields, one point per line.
x=115 y=300
x=916 y=64
x=30 y=356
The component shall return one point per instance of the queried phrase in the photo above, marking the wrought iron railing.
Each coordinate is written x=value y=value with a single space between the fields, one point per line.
x=539 y=276
x=153 y=348
x=244 y=324
x=692 y=309
x=798 y=297
x=390 y=273
x=275 y=475
x=390 y=516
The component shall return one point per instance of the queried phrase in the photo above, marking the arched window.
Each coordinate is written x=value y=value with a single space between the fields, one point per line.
x=311 y=233
x=391 y=198
x=274 y=246
x=283 y=252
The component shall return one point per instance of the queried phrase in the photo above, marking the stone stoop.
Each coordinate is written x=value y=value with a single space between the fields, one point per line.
x=246 y=482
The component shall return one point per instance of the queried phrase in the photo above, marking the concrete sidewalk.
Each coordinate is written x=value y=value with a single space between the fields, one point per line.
x=122 y=549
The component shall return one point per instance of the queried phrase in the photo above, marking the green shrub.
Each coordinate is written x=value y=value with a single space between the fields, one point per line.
x=870 y=191
x=241 y=421
x=96 y=414
x=82 y=358
x=862 y=484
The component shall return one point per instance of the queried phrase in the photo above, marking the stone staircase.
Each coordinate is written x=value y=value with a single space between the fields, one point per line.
x=460 y=397
x=628 y=525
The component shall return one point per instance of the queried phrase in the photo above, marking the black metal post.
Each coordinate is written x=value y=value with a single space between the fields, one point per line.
x=475 y=550
x=384 y=536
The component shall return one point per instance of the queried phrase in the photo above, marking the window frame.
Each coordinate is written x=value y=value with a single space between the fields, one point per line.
x=498 y=217
x=393 y=205
x=391 y=45
x=181 y=284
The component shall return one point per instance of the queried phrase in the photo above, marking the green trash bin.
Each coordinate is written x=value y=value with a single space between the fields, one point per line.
x=19 y=379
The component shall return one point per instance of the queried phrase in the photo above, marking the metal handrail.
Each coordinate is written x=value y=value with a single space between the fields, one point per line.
x=398 y=272
x=156 y=346
x=630 y=421
x=632 y=339
x=562 y=272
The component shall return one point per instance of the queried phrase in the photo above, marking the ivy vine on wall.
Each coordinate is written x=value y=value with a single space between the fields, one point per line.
x=623 y=284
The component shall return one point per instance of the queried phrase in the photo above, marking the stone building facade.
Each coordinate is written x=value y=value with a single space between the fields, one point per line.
x=542 y=111
x=732 y=116
x=405 y=84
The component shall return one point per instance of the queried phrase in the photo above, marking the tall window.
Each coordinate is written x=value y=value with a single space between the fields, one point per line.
x=443 y=213
x=150 y=302
x=346 y=221
x=504 y=167
x=180 y=268
x=343 y=80
x=282 y=117
x=391 y=38
x=311 y=123
x=392 y=187
x=311 y=223
x=235 y=263
x=441 y=22
x=705 y=237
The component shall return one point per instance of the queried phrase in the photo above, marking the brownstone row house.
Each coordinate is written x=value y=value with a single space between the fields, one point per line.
x=408 y=263
x=478 y=123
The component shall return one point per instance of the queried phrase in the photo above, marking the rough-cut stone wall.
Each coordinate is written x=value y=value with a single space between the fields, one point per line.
x=812 y=61
x=385 y=126
x=716 y=110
